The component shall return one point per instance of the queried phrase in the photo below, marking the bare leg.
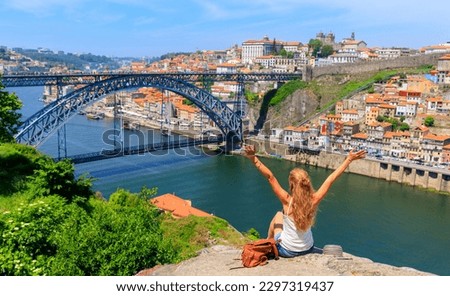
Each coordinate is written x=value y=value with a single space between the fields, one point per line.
x=276 y=225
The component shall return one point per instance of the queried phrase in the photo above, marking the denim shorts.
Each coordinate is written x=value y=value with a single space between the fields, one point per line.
x=282 y=252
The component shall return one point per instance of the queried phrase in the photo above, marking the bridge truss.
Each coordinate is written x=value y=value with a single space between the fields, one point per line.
x=45 y=122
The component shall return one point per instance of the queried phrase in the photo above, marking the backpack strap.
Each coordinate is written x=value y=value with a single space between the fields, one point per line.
x=275 y=249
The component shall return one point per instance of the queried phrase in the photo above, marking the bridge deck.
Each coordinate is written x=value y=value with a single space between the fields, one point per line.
x=140 y=149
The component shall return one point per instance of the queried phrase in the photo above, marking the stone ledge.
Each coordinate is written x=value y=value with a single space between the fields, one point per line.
x=222 y=260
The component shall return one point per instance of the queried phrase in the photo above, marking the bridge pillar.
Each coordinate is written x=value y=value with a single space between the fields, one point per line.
x=232 y=141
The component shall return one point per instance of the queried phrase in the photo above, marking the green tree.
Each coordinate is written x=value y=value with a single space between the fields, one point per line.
x=429 y=121
x=112 y=239
x=58 y=178
x=315 y=45
x=404 y=126
x=9 y=115
x=326 y=51
x=17 y=163
x=251 y=96
x=381 y=118
x=55 y=226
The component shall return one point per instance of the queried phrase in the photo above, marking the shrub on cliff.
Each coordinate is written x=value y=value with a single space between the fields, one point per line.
x=191 y=234
x=53 y=225
x=9 y=115
x=17 y=163
x=112 y=239
x=287 y=89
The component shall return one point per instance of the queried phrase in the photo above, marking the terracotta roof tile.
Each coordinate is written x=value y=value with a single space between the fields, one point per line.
x=362 y=136
x=436 y=137
x=177 y=206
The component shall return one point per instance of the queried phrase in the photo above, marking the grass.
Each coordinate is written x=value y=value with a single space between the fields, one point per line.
x=287 y=89
x=191 y=234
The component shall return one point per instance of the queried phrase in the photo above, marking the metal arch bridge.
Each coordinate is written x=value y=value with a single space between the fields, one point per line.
x=39 y=79
x=46 y=121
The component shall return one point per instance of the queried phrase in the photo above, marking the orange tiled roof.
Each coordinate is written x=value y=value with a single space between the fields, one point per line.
x=350 y=111
x=388 y=135
x=422 y=128
x=227 y=65
x=377 y=124
x=436 y=137
x=386 y=106
x=334 y=116
x=438 y=99
x=296 y=129
x=177 y=206
x=370 y=100
x=445 y=57
x=362 y=136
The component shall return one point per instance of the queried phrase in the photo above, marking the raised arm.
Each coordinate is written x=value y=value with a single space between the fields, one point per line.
x=323 y=190
x=282 y=194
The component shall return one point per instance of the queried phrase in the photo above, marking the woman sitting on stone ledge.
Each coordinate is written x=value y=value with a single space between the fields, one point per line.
x=291 y=228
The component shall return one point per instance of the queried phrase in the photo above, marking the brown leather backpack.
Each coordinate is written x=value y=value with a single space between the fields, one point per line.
x=259 y=252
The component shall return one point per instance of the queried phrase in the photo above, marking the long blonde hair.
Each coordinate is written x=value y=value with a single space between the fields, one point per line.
x=303 y=210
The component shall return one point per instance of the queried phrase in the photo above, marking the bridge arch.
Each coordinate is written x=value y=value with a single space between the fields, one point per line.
x=46 y=121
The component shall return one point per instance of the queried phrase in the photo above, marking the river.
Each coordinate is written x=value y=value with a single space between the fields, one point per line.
x=384 y=221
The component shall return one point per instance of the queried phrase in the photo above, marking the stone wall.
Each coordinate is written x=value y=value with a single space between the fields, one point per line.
x=372 y=66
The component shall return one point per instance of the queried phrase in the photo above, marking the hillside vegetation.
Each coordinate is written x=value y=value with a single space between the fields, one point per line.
x=52 y=223
x=296 y=101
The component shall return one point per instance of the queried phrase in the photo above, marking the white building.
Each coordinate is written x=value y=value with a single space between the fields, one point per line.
x=388 y=53
x=350 y=115
x=292 y=46
x=265 y=61
x=344 y=57
x=226 y=68
x=252 y=49
x=443 y=68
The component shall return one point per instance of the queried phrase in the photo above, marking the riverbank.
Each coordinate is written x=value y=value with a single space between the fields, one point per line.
x=437 y=180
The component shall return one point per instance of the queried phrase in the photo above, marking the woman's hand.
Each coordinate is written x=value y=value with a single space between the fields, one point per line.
x=249 y=151
x=356 y=155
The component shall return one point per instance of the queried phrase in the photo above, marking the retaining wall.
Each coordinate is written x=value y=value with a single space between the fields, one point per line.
x=404 y=173
x=372 y=66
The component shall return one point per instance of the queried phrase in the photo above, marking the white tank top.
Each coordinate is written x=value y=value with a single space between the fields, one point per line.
x=293 y=239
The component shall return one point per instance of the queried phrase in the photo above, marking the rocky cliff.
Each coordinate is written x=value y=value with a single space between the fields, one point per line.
x=220 y=260
x=296 y=107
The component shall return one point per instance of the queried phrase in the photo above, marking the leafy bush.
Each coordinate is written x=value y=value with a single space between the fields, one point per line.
x=113 y=239
x=9 y=115
x=59 y=178
x=26 y=246
x=252 y=234
x=17 y=162
x=55 y=226
x=251 y=96
x=428 y=121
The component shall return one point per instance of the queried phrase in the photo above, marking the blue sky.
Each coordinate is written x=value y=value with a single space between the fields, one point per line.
x=149 y=28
